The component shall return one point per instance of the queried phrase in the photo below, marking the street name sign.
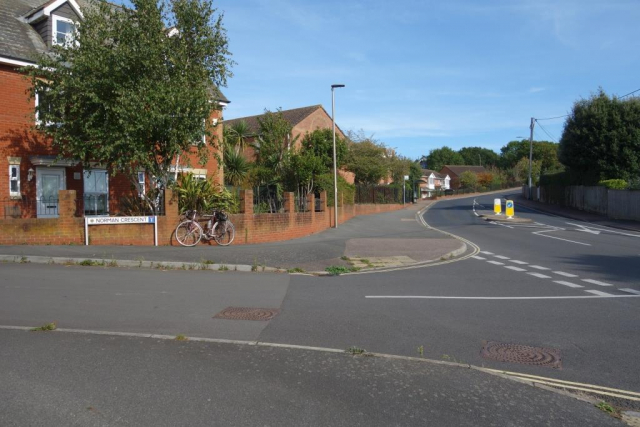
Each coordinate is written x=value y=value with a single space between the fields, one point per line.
x=116 y=220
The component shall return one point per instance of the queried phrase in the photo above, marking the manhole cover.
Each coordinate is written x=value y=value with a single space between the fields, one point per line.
x=247 y=313
x=523 y=354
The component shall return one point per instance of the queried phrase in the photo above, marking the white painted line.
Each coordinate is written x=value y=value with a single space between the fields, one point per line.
x=495 y=262
x=604 y=229
x=518 y=262
x=511 y=267
x=597 y=282
x=562 y=273
x=600 y=293
x=486 y=252
x=478 y=257
x=569 y=284
x=502 y=257
x=631 y=291
x=605 y=295
x=537 y=267
x=539 y=233
x=540 y=276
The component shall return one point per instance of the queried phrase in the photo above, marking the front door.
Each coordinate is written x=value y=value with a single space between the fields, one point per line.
x=48 y=182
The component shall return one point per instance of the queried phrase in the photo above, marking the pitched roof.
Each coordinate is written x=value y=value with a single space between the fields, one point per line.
x=293 y=116
x=20 y=41
x=427 y=172
x=459 y=169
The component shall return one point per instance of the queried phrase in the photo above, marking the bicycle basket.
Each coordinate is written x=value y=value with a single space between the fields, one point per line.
x=222 y=216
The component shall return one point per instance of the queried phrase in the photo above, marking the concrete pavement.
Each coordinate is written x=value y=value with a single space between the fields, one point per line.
x=386 y=235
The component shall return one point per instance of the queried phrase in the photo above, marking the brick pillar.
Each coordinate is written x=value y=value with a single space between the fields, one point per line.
x=323 y=201
x=66 y=203
x=289 y=202
x=246 y=202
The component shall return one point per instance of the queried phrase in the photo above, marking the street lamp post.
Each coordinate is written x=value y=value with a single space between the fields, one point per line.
x=335 y=162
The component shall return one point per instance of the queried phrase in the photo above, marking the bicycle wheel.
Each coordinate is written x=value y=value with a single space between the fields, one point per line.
x=224 y=232
x=188 y=233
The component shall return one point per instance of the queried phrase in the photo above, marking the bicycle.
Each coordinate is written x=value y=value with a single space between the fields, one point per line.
x=218 y=227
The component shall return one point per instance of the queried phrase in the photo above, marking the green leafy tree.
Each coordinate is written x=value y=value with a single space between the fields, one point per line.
x=601 y=138
x=274 y=142
x=129 y=95
x=320 y=143
x=468 y=179
x=479 y=156
x=367 y=158
x=521 y=171
x=439 y=157
x=544 y=151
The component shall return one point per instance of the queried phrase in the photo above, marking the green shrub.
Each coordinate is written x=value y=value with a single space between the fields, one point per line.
x=324 y=182
x=614 y=184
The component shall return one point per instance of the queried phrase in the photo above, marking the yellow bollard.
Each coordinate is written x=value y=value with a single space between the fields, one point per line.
x=510 y=210
x=497 y=206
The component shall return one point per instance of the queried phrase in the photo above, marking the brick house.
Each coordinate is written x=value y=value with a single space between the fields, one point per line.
x=303 y=120
x=31 y=173
x=454 y=172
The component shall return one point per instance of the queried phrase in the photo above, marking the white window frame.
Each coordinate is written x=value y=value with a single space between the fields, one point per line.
x=16 y=179
x=87 y=174
x=54 y=30
x=141 y=183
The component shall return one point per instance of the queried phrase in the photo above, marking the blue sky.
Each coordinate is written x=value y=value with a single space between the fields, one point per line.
x=423 y=74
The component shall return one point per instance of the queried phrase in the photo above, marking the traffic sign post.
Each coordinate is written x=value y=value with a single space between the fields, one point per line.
x=497 y=206
x=510 y=210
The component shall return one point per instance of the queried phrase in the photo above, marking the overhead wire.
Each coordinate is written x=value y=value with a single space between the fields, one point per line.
x=545 y=131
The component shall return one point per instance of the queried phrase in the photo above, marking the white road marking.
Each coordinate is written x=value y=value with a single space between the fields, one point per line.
x=631 y=291
x=600 y=293
x=597 y=282
x=478 y=257
x=486 y=252
x=607 y=230
x=501 y=257
x=585 y=229
x=569 y=284
x=518 y=262
x=539 y=233
x=495 y=262
x=500 y=298
x=540 y=276
x=511 y=267
x=538 y=267
x=562 y=273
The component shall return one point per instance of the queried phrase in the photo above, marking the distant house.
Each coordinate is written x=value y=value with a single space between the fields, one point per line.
x=430 y=181
x=454 y=172
x=302 y=120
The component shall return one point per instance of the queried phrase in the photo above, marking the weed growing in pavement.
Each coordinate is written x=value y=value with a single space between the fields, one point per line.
x=345 y=258
x=140 y=259
x=421 y=351
x=223 y=268
x=356 y=350
x=336 y=270
x=605 y=407
x=181 y=338
x=112 y=263
x=24 y=260
x=295 y=270
x=46 y=327
x=254 y=266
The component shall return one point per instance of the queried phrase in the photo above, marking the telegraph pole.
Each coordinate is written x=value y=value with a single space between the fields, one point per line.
x=533 y=122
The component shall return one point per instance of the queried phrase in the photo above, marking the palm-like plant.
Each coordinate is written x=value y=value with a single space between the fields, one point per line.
x=236 y=168
x=237 y=135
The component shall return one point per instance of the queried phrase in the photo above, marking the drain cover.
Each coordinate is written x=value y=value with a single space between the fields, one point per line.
x=247 y=313
x=523 y=354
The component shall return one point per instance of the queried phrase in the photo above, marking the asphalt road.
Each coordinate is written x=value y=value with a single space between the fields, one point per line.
x=573 y=290
x=54 y=378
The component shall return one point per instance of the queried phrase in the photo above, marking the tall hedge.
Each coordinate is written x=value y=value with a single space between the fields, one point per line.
x=601 y=139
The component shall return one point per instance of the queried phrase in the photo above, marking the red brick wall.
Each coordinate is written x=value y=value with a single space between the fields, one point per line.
x=250 y=228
